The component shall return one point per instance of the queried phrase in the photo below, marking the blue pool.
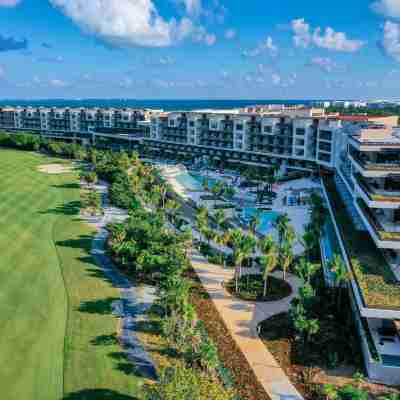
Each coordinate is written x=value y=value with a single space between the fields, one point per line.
x=330 y=246
x=194 y=182
x=189 y=182
x=267 y=219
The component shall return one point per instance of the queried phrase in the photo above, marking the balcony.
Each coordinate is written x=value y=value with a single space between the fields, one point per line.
x=374 y=197
x=386 y=234
x=370 y=169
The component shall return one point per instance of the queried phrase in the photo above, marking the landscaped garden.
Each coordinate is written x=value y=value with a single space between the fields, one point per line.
x=251 y=288
x=55 y=302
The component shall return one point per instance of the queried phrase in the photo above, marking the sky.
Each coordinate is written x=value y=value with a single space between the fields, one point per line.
x=200 y=49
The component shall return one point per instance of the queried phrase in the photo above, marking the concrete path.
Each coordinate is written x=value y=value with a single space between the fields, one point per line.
x=135 y=301
x=242 y=319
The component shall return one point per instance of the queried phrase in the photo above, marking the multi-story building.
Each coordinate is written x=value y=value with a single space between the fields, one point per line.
x=364 y=202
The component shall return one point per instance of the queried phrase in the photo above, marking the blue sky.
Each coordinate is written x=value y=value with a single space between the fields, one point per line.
x=220 y=49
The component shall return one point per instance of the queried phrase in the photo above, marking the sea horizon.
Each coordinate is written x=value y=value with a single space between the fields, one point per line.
x=165 y=104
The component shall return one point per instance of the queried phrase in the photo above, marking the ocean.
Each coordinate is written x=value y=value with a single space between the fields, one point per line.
x=167 y=105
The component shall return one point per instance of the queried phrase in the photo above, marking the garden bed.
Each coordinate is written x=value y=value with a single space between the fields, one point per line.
x=251 y=288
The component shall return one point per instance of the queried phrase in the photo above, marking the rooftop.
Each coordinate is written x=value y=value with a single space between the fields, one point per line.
x=378 y=135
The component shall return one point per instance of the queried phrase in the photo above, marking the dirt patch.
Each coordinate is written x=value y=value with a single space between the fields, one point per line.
x=56 y=168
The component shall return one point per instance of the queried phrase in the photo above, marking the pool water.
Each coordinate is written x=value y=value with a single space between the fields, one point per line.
x=189 y=182
x=330 y=245
x=201 y=179
x=267 y=219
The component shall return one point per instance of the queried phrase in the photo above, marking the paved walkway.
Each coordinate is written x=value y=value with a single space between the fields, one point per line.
x=135 y=301
x=242 y=319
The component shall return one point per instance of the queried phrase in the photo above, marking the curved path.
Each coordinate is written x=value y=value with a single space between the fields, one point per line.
x=135 y=301
x=242 y=319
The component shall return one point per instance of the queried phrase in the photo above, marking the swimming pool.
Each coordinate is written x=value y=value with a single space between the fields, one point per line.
x=201 y=179
x=267 y=219
x=189 y=182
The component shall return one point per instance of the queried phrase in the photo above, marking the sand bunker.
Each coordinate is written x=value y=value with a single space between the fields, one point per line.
x=56 y=168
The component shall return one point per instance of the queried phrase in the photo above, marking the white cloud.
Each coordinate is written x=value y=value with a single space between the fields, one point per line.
x=391 y=40
x=324 y=63
x=58 y=83
x=302 y=36
x=2 y=72
x=131 y=22
x=230 y=34
x=276 y=79
x=193 y=7
x=267 y=46
x=388 y=8
x=329 y=39
x=9 y=3
x=200 y=35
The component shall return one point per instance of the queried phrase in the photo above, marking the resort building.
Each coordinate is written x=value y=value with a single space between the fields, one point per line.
x=357 y=157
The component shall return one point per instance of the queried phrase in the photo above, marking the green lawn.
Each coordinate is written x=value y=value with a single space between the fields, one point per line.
x=57 y=335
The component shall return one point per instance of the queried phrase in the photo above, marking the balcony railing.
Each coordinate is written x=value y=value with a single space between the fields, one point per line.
x=376 y=195
x=371 y=166
x=376 y=224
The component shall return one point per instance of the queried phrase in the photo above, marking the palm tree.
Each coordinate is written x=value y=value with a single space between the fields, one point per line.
x=342 y=276
x=286 y=258
x=220 y=218
x=255 y=221
x=172 y=208
x=216 y=190
x=306 y=269
x=270 y=259
x=281 y=224
x=236 y=238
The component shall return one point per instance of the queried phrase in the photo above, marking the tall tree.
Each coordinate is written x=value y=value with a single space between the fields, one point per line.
x=269 y=261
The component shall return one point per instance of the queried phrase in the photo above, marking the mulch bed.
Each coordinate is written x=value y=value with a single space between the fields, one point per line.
x=247 y=384
x=252 y=290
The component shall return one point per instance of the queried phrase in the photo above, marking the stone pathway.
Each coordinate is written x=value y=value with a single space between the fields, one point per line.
x=135 y=301
x=242 y=319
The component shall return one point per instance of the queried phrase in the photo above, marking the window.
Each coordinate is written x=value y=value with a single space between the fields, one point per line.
x=300 y=131
x=239 y=127
x=214 y=125
x=267 y=129
x=171 y=122
x=325 y=135
x=191 y=124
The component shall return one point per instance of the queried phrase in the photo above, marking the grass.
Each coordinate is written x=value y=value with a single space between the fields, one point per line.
x=54 y=299
x=375 y=278
x=251 y=288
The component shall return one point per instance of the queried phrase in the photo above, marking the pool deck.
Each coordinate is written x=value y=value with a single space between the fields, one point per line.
x=299 y=215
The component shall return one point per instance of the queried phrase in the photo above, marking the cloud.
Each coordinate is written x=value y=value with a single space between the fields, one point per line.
x=193 y=7
x=2 y=73
x=276 y=79
x=51 y=59
x=388 y=8
x=325 y=63
x=267 y=46
x=328 y=39
x=47 y=45
x=230 y=34
x=391 y=40
x=57 y=83
x=127 y=22
x=9 y=3
x=10 y=43
x=302 y=36
x=200 y=35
